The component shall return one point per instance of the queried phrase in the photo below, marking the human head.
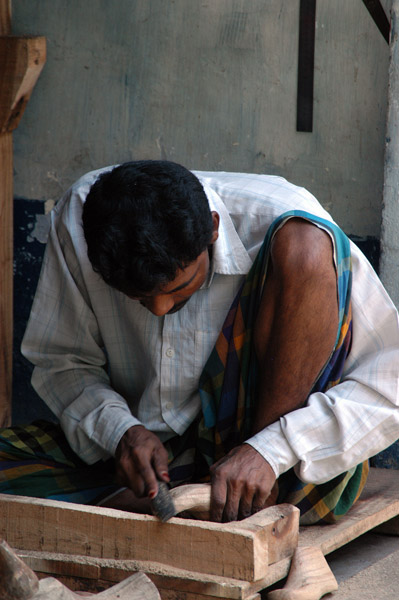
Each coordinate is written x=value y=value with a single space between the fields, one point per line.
x=144 y=221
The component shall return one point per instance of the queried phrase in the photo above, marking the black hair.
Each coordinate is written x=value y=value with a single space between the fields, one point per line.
x=143 y=221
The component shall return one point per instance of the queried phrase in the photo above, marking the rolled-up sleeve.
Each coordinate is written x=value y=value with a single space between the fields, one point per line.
x=357 y=418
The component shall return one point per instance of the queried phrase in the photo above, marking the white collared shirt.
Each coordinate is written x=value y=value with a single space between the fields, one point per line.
x=105 y=363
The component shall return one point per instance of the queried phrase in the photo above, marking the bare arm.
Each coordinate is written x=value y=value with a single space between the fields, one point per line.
x=294 y=336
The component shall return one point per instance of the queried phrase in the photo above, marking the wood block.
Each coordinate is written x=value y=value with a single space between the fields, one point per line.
x=225 y=549
x=21 y=62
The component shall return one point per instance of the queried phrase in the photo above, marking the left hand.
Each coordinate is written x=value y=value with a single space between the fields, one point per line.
x=242 y=482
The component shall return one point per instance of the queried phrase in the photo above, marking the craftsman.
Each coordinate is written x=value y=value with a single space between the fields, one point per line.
x=130 y=306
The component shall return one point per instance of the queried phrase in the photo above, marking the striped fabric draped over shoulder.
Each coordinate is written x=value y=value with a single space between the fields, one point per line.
x=228 y=382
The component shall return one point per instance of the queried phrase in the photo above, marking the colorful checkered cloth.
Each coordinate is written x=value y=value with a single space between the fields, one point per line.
x=36 y=460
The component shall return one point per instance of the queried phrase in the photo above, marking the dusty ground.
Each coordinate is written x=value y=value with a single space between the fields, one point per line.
x=367 y=569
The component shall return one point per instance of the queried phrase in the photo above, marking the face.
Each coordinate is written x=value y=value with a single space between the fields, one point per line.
x=172 y=296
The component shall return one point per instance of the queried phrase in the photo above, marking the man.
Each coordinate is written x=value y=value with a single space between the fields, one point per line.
x=142 y=266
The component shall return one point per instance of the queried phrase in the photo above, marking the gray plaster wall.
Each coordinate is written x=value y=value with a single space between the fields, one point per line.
x=210 y=84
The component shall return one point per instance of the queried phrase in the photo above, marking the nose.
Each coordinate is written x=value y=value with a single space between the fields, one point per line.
x=160 y=305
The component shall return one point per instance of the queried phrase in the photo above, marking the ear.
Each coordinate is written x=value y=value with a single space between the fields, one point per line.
x=215 y=226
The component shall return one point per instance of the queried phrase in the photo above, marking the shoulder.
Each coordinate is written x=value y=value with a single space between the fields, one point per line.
x=259 y=193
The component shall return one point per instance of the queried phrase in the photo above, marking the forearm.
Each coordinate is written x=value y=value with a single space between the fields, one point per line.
x=92 y=415
x=335 y=431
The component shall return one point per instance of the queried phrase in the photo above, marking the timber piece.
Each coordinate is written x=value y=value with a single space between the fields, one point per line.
x=309 y=578
x=21 y=62
x=135 y=587
x=226 y=549
x=19 y=582
x=5 y=17
x=6 y=277
x=79 y=572
x=378 y=503
x=279 y=524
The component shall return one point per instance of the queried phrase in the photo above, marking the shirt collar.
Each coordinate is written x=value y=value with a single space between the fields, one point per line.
x=229 y=256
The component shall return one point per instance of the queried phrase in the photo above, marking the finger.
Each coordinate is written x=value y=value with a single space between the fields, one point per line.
x=160 y=463
x=232 y=505
x=218 y=498
x=246 y=504
x=262 y=498
x=127 y=475
x=150 y=480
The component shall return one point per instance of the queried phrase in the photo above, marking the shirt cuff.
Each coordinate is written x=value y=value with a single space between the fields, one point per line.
x=274 y=448
x=109 y=428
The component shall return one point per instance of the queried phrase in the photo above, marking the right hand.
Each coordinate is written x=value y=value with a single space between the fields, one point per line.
x=141 y=459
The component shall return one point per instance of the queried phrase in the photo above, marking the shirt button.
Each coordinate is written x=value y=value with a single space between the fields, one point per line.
x=170 y=353
x=169 y=406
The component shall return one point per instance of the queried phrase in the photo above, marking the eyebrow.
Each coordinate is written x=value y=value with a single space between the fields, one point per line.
x=185 y=284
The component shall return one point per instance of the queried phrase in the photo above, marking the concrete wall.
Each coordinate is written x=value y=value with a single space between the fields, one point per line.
x=211 y=85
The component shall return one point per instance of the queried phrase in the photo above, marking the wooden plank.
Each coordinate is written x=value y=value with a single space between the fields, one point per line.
x=6 y=240
x=6 y=277
x=92 y=574
x=226 y=549
x=379 y=503
x=5 y=17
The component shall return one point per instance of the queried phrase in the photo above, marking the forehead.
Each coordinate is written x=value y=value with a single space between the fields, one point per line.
x=184 y=277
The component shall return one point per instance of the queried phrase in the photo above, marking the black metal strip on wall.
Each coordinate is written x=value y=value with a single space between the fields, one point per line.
x=377 y=11
x=307 y=26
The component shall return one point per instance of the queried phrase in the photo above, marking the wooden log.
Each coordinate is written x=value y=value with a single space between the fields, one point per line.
x=21 y=61
x=239 y=550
